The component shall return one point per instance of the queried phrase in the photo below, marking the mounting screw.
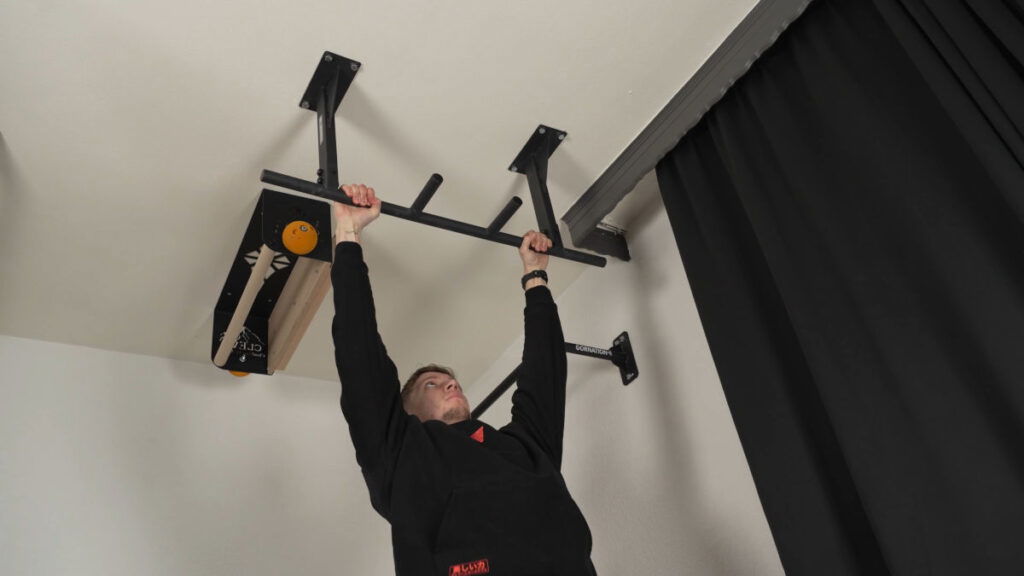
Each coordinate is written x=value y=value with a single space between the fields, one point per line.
x=512 y=168
x=243 y=358
x=328 y=58
x=561 y=136
x=305 y=105
x=541 y=130
x=355 y=66
x=319 y=180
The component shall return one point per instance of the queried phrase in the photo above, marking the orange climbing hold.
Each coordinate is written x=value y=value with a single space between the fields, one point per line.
x=299 y=237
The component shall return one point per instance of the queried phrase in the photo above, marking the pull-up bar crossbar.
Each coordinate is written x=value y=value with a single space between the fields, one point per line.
x=492 y=232
x=332 y=78
x=620 y=354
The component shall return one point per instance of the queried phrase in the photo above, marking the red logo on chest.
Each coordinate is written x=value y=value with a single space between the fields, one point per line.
x=470 y=568
x=478 y=435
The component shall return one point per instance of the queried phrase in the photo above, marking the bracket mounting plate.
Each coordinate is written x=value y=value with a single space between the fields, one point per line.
x=332 y=68
x=544 y=141
x=624 y=358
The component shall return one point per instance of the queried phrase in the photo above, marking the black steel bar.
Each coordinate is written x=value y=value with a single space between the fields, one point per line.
x=299 y=185
x=495 y=394
x=427 y=193
x=503 y=217
x=511 y=378
x=589 y=351
x=536 y=177
x=328 y=173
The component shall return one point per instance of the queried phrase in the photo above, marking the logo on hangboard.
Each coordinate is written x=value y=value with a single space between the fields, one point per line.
x=248 y=344
x=280 y=262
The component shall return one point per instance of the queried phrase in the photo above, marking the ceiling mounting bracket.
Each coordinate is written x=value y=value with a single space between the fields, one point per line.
x=532 y=161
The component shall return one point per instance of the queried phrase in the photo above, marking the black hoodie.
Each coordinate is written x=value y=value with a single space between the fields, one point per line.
x=462 y=499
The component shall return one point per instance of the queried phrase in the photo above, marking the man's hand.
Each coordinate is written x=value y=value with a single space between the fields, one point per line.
x=534 y=259
x=352 y=219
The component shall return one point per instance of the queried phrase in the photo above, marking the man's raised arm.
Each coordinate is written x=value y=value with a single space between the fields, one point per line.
x=538 y=403
x=370 y=397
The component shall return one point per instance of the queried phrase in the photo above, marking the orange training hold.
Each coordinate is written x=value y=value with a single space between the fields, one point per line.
x=299 y=237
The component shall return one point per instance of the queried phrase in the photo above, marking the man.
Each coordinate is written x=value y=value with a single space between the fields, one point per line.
x=463 y=499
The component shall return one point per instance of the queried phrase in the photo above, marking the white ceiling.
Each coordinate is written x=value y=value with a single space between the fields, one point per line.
x=133 y=135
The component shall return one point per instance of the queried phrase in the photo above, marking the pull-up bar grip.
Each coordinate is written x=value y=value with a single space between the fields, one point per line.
x=503 y=217
x=426 y=194
x=300 y=185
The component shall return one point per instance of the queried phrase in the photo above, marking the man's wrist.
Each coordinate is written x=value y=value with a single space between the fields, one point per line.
x=534 y=282
x=534 y=277
x=346 y=232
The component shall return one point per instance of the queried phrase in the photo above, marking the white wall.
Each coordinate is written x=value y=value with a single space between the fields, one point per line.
x=116 y=464
x=656 y=467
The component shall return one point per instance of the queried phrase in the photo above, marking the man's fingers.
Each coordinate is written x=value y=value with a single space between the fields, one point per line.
x=536 y=241
x=360 y=194
x=527 y=240
x=352 y=191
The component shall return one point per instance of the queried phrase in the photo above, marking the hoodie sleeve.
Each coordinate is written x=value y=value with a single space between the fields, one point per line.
x=538 y=404
x=370 y=389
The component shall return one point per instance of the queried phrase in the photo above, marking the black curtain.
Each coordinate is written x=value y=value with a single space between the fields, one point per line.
x=851 y=220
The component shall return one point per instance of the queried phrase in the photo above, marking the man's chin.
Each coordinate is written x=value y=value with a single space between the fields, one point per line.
x=456 y=414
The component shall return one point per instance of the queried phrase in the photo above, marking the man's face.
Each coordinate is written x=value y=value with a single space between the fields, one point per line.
x=437 y=396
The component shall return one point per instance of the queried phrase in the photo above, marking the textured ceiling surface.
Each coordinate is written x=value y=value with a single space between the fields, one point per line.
x=133 y=136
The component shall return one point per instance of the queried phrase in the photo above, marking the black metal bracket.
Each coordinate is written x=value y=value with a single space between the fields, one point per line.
x=330 y=82
x=532 y=161
x=620 y=354
x=326 y=89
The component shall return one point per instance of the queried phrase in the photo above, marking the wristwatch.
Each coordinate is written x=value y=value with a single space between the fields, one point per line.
x=534 y=274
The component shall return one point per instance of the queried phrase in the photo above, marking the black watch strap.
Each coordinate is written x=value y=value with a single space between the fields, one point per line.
x=534 y=274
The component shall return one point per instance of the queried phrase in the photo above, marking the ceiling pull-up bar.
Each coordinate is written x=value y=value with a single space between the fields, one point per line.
x=281 y=271
x=620 y=354
x=331 y=80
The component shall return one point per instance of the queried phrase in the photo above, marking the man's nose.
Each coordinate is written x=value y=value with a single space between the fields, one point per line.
x=452 y=384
